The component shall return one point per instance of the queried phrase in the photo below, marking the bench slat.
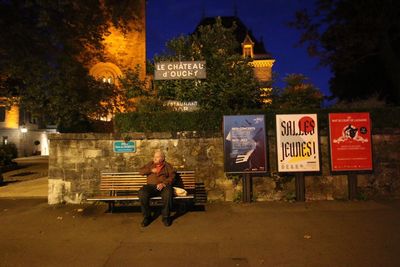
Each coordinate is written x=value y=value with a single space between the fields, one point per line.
x=122 y=198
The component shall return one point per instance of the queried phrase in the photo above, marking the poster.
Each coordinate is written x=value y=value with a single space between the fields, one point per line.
x=297 y=143
x=244 y=144
x=350 y=141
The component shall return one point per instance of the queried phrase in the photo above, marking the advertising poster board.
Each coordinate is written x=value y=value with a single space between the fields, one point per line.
x=297 y=143
x=350 y=141
x=244 y=144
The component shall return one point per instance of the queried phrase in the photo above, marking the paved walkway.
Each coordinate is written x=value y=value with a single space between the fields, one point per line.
x=31 y=188
x=226 y=234
x=29 y=179
x=330 y=233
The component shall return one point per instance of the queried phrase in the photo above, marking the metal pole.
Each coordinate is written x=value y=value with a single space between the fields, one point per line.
x=247 y=188
x=352 y=185
x=300 y=187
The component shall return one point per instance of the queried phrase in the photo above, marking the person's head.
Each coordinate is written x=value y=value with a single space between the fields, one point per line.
x=159 y=157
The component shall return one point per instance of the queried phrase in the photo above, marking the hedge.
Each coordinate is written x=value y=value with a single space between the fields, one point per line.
x=8 y=152
x=211 y=121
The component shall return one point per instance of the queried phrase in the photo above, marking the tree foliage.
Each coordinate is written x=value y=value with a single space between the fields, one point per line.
x=360 y=41
x=138 y=94
x=44 y=48
x=230 y=83
x=132 y=85
x=298 y=94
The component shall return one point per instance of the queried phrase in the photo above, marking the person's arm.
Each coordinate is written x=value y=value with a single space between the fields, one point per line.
x=171 y=175
x=146 y=169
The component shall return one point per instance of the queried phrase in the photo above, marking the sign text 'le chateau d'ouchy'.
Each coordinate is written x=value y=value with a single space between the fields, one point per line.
x=180 y=70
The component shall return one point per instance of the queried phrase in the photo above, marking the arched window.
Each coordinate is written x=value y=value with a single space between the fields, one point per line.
x=108 y=79
x=106 y=72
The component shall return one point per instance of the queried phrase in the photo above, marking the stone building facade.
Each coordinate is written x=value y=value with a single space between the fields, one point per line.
x=18 y=127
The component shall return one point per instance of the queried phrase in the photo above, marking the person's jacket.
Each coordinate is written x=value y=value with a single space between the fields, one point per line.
x=166 y=174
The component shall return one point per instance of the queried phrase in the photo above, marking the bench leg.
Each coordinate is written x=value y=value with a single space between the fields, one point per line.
x=111 y=205
x=184 y=207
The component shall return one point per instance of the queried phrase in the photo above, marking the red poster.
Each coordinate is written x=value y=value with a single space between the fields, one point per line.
x=350 y=140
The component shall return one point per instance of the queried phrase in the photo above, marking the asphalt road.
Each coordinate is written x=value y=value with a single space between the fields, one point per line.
x=327 y=233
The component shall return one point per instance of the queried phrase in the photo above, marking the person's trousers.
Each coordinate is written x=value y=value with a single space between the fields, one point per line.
x=148 y=191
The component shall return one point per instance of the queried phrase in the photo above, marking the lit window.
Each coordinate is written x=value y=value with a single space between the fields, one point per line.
x=248 y=51
x=107 y=80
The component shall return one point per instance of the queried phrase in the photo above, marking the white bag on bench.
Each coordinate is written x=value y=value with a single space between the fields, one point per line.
x=180 y=192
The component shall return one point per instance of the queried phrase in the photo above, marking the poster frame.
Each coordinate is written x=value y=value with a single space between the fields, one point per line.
x=263 y=148
x=330 y=140
x=317 y=142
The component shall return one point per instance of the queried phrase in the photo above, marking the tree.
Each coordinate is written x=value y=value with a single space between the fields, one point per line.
x=133 y=85
x=297 y=94
x=360 y=41
x=230 y=83
x=44 y=48
x=138 y=95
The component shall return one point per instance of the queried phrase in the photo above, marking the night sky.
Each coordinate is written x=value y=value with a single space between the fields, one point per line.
x=266 y=18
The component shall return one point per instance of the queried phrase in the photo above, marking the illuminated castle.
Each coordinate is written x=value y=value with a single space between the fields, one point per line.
x=251 y=47
x=121 y=52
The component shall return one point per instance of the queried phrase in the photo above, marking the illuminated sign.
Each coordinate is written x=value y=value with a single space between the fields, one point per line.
x=182 y=106
x=180 y=70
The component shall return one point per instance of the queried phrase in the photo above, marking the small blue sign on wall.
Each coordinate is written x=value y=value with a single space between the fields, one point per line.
x=124 y=147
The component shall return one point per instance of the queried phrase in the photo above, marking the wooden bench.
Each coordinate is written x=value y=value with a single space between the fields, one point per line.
x=124 y=186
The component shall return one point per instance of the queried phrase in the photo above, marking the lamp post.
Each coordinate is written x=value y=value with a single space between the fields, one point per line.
x=24 y=130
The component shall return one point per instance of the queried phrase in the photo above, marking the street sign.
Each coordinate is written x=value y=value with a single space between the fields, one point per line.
x=124 y=147
x=176 y=70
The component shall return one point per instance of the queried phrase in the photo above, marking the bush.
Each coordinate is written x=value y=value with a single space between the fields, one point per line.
x=211 y=121
x=169 y=121
x=8 y=152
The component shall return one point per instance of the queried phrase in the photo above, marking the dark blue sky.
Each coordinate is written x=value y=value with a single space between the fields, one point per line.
x=266 y=18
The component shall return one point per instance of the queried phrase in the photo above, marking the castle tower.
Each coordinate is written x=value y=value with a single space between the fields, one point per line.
x=124 y=51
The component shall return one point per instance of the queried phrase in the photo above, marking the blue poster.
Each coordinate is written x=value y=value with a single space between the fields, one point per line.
x=244 y=144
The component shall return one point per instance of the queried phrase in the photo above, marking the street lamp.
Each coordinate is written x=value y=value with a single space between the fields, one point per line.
x=24 y=130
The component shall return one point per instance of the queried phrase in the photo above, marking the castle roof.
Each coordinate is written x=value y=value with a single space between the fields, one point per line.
x=242 y=33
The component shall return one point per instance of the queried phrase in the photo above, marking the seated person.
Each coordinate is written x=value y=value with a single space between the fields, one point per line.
x=160 y=177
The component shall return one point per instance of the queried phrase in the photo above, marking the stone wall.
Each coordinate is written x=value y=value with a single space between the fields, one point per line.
x=76 y=160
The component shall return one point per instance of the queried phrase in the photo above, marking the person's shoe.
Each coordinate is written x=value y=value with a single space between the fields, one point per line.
x=145 y=222
x=166 y=221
